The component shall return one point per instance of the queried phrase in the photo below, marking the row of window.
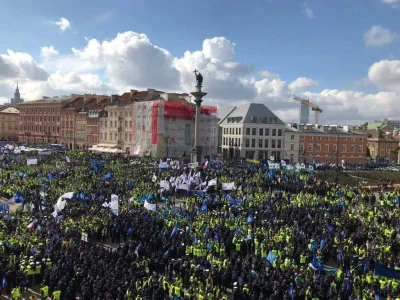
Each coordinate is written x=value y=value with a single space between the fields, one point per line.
x=41 y=110
x=252 y=143
x=328 y=138
x=265 y=120
x=327 y=148
x=114 y=137
x=40 y=118
x=38 y=129
x=254 y=131
x=120 y=114
x=115 y=123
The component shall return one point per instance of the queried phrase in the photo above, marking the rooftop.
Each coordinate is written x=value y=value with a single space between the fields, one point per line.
x=252 y=113
x=322 y=129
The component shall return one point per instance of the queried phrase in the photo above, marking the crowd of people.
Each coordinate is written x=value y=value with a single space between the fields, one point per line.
x=223 y=230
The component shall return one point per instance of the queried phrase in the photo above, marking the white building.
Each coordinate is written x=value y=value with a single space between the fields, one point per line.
x=253 y=131
x=292 y=145
x=164 y=127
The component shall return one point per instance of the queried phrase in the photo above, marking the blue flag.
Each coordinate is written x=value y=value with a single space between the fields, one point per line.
x=174 y=231
x=250 y=219
x=317 y=264
x=271 y=257
x=381 y=270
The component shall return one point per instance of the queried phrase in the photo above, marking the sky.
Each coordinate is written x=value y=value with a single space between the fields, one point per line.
x=342 y=55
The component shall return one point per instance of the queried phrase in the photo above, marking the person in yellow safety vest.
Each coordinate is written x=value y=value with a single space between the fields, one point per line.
x=16 y=293
x=308 y=293
x=44 y=290
x=56 y=295
x=128 y=294
x=49 y=264
x=37 y=272
x=246 y=289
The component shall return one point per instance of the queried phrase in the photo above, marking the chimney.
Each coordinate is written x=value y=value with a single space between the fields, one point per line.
x=151 y=93
x=133 y=92
x=86 y=97
x=294 y=125
x=325 y=128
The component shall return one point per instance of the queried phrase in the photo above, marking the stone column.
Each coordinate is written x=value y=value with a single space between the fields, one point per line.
x=197 y=149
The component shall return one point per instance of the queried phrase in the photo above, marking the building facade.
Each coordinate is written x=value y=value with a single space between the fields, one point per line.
x=119 y=126
x=326 y=144
x=383 y=146
x=9 y=128
x=95 y=111
x=253 y=131
x=164 y=127
x=292 y=145
x=40 y=120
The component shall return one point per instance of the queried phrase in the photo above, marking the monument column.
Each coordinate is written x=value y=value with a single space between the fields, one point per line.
x=198 y=98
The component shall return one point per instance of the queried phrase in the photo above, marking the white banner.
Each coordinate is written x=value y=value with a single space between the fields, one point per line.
x=193 y=165
x=289 y=167
x=67 y=158
x=165 y=185
x=274 y=166
x=228 y=186
x=84 y=237
x=61 y=202
x=283 y=163
x=114 y=204
x=310 y=168
x=298 y=166
x=44 y=152
x=183 y=186
x=303 y=166
x=149 y=206
x=212 y=182
x=31 y=161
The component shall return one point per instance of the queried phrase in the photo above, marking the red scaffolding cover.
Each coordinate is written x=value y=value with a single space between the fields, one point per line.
x=182 y=110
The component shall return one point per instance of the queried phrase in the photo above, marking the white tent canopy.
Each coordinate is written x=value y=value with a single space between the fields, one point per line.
x=103 y=149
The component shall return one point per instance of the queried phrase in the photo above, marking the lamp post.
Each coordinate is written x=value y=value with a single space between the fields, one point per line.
x=167 y=147
x=198 y=99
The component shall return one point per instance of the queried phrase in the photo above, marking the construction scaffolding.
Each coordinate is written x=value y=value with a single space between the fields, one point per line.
x=166 y=128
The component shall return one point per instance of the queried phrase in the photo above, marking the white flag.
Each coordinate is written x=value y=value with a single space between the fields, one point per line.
x=114 y=204
x=149 y=206
x=31 y=161
x=212 y=182
x=228 y=186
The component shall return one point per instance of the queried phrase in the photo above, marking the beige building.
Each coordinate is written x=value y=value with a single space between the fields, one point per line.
x=253 y=131
x=116 y=125
x=9 y=128
x=292 y=144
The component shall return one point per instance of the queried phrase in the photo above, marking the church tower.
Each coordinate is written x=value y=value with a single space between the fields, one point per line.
x=17 y=97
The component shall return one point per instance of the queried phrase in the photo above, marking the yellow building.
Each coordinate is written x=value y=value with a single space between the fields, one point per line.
x=9 y=128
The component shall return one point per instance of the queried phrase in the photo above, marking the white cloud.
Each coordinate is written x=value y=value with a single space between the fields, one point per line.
x=391 y=2
x=308 y=11
x=63 y=24
x=48 y=51
x=378 y=36
x=386 y=74
x=302 y=83
x=130 y=60
x=17 y=64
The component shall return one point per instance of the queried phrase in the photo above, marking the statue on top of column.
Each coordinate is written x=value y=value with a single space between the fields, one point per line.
x=199 y=77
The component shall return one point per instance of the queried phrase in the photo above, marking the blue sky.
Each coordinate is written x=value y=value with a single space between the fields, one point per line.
x=326 y=45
